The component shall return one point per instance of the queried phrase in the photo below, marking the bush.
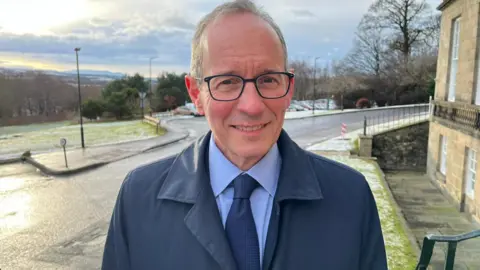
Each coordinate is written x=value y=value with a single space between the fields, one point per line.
x=117 y=104
x=92 y=109
x=363 y=103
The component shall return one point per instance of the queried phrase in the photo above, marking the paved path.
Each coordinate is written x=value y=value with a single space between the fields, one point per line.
x=427 y=211
x=78 y=159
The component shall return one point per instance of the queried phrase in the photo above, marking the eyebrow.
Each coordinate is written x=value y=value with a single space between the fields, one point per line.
x=232 y=72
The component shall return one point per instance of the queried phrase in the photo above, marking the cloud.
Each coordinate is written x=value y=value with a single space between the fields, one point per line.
x=125 y=33
x=303 y=13
x=130 y=40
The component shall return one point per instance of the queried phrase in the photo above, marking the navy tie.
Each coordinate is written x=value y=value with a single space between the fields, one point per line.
x=240 y=225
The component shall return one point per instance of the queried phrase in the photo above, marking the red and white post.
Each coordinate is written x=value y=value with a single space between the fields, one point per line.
x=344 y=130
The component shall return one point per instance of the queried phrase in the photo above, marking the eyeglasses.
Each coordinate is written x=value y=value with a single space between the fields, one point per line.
x=269 y=85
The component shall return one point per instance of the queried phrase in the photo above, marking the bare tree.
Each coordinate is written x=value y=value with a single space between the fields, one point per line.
x=432 y=35
x=303 y=79
x=33 y=94
x=368 y=49
x=406 y=20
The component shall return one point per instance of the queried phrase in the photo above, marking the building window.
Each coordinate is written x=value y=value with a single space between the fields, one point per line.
x=477 y=81
x=471 y=172
x=455 y=42
x=477 y=91
x=443 y=155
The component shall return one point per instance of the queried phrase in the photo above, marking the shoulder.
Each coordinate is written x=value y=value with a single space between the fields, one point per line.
x=146 y=179
x=338 y=178
x=332 y=166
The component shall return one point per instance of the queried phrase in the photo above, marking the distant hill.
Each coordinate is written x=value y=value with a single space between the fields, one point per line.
x=86 y=72
x=83 y=72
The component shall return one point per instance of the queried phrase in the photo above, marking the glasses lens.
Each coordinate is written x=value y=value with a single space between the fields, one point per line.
x=273 y=85
x=226 y=87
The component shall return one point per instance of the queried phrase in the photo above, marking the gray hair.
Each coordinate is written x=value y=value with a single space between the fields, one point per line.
x=234 y=7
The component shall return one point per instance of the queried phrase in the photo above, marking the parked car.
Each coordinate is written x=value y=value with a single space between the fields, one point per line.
x=291 y=108
x=186 y=110
x=298 y=107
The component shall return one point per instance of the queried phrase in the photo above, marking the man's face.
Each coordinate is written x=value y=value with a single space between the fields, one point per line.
x=244 y=45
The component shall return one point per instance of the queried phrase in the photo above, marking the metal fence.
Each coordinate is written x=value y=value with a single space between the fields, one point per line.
x=460 y=115
x=396 y=118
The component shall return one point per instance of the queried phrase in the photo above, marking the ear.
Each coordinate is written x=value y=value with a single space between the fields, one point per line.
x=291 y=92
x=194 y=93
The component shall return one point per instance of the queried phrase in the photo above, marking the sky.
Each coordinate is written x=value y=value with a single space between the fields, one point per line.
x=122 y=35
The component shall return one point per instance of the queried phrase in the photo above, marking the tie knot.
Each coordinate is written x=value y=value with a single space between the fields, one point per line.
x=243 y=186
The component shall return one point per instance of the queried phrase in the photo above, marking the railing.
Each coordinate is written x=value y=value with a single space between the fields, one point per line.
x=461 y=115
x=399 y=117
x=452 y=240
x=152 y=121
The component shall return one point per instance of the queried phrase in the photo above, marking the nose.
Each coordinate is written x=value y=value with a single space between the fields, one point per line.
x=250 y=102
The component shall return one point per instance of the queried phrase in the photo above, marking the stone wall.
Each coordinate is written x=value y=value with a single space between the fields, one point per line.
x=403 y=148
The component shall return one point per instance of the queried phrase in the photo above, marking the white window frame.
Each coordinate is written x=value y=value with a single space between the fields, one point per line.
x=454 y=52
x=443 y=154
x=477 y=90
x=470 y=172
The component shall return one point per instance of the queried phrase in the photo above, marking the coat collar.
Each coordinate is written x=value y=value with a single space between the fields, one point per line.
x=188 y=182
x=189 y=174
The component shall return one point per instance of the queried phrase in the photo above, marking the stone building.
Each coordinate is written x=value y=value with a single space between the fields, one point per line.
x=454 y=136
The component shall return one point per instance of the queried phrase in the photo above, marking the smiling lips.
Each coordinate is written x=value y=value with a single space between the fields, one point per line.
x=249 y=128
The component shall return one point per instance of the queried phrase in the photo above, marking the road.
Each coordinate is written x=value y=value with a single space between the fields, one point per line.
x=60 y=223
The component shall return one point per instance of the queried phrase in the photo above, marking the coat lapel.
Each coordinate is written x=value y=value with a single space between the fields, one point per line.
x=204 y=222
x=297 y=181
x=188 y=182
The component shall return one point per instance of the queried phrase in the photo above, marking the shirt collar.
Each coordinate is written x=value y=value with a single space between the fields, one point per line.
x=222 y=171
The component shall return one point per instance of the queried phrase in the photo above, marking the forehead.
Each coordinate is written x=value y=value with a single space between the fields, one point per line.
x=241 y=41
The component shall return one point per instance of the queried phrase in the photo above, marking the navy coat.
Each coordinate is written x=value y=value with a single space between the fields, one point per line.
x=324 y=217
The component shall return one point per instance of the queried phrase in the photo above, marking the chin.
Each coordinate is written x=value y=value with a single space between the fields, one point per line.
x=247 y=148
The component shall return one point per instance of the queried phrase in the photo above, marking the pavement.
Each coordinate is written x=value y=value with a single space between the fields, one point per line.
x=308 y=114
x=399 y=244
x=427 y=211
x=79 y=160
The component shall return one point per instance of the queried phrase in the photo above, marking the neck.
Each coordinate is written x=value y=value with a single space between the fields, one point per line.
x=243 y=163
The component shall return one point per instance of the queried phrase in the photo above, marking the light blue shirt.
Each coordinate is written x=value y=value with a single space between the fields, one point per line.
x=266 y=172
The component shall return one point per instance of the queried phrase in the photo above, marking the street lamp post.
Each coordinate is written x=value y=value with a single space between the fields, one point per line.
x=151 y=58
x=80 y=100
x=151 y=90
x=314 y=79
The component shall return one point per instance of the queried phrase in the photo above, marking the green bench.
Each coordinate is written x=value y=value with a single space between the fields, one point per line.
x=452 y=240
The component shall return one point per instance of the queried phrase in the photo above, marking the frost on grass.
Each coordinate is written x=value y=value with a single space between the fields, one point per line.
x=399 y=250
x=95 y=134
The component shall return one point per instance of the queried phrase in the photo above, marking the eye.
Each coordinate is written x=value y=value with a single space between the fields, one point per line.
x=269 y=79
x=227 y=81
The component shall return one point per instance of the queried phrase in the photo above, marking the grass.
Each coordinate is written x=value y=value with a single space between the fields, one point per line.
x=400 y=253
x=8 y=130
x=94 y=134
x=356 y=146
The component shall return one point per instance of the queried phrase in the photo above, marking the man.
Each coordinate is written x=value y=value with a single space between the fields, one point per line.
x=243 y=196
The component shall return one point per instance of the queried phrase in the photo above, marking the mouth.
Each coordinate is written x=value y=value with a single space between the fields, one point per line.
x=249 y=128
